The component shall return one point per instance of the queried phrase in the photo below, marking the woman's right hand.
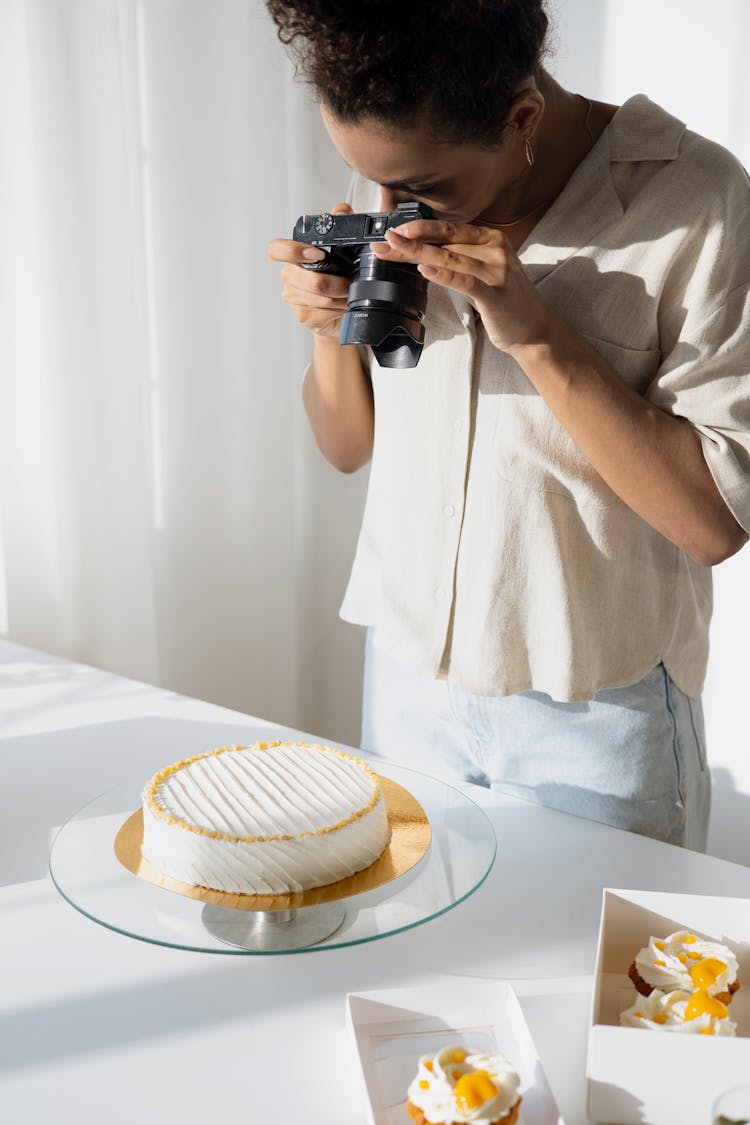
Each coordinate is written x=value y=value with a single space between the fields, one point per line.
x=318 y=300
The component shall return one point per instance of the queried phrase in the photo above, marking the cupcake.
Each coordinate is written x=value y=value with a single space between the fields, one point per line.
x=453 y=1087
x=687 y=963
x=687 y=1013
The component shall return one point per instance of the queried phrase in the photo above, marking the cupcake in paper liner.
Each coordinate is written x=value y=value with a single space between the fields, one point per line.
x=687 y=1013
x=454 y=1087
x=687 y=963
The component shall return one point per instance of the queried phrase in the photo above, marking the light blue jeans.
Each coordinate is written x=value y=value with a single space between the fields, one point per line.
x=632 y=757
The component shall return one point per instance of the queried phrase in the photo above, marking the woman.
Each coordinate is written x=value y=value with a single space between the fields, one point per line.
x=551 y=485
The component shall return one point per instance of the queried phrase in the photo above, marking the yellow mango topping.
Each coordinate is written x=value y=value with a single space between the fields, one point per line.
x=428 y=1065
x=690 y=939
x=695 y=956
x=706 y=1031
x=705 y=973
x=639 y=1014
x=659 y=945
x=658 y=962
x=473 y=1090
x=660 y=1018
x=458 y=1056
x=700 y=1003
x=683 y=957
x=424 y=1084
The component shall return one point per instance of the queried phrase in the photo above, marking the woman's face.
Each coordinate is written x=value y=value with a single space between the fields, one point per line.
x=459 y=181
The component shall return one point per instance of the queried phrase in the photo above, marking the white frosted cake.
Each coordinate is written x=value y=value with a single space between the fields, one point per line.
x=272 y=818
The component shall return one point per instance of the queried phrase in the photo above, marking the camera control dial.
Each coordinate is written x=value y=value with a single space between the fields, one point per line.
x=323 y=223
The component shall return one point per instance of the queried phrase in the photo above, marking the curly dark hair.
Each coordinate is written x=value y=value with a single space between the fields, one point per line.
x=454 y=65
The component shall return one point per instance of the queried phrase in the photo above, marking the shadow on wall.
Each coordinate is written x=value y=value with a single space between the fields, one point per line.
x=729 y=834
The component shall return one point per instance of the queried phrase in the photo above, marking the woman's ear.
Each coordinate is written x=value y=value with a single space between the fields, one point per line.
x=526 y=112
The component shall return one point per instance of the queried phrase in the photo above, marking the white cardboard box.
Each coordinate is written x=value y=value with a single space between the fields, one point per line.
x=653 y=1078
x=393 y=1027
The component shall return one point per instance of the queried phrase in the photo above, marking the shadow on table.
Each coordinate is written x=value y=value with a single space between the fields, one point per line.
x=248 y=990
x=48 y=777
x=113 y=1018
x=624 y=1107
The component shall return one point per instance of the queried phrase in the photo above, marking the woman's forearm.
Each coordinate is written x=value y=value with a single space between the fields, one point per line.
x=337 y=394
x=652 y=460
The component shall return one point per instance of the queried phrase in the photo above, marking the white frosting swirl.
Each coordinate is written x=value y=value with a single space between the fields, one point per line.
x=665 y=963
x=439 y=1092
x=666 y=1011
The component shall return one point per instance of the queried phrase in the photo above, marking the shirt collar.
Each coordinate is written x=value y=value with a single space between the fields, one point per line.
x=641 y=130
x=589 y=203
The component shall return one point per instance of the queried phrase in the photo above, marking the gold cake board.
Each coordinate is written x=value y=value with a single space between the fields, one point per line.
x=410 y=839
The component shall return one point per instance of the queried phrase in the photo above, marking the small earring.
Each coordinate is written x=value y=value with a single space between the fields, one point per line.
x=529 y=152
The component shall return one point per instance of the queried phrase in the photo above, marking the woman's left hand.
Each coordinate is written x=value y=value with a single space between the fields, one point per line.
x=480 y=263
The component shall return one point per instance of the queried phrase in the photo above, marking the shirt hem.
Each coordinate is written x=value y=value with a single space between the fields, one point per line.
x=692 y=688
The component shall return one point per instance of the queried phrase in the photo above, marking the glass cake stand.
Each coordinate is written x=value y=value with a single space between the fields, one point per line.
x=89 y=875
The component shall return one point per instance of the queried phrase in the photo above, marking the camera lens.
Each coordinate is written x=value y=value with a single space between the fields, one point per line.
x=387 y=303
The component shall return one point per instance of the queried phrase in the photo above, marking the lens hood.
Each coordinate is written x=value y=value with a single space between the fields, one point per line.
x=395 y=338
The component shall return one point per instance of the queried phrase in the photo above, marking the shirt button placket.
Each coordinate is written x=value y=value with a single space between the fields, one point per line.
x=456 y=452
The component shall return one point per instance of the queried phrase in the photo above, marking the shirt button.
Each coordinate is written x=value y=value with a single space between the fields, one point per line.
x=449 y=510
x=440 y=594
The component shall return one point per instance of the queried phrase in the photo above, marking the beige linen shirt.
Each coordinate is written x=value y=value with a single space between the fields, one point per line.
x=491 y=551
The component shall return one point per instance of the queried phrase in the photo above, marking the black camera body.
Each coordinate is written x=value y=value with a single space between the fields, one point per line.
x=387 y=300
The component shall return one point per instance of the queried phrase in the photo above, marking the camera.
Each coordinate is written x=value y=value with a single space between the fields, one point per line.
x=387 y=300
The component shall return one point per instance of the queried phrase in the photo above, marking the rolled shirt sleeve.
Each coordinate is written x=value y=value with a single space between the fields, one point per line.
x=706 y=380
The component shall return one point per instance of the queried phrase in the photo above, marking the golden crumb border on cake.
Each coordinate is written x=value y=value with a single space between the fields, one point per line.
x=162 y=814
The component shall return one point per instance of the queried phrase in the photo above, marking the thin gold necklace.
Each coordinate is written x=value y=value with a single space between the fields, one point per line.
x=546 y=202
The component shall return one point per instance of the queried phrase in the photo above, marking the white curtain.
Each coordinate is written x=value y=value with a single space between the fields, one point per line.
x=163 y=513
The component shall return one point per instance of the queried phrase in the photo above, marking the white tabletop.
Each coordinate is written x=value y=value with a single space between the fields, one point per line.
x=96 y=1026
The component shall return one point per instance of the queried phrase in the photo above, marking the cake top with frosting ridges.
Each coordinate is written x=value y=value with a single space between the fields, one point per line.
x=243 y=794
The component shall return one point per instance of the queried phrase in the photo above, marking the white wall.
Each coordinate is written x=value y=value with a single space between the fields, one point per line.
x=686 y=55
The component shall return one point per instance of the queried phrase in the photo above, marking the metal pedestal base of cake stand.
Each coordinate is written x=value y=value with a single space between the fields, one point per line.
x=267 y=931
